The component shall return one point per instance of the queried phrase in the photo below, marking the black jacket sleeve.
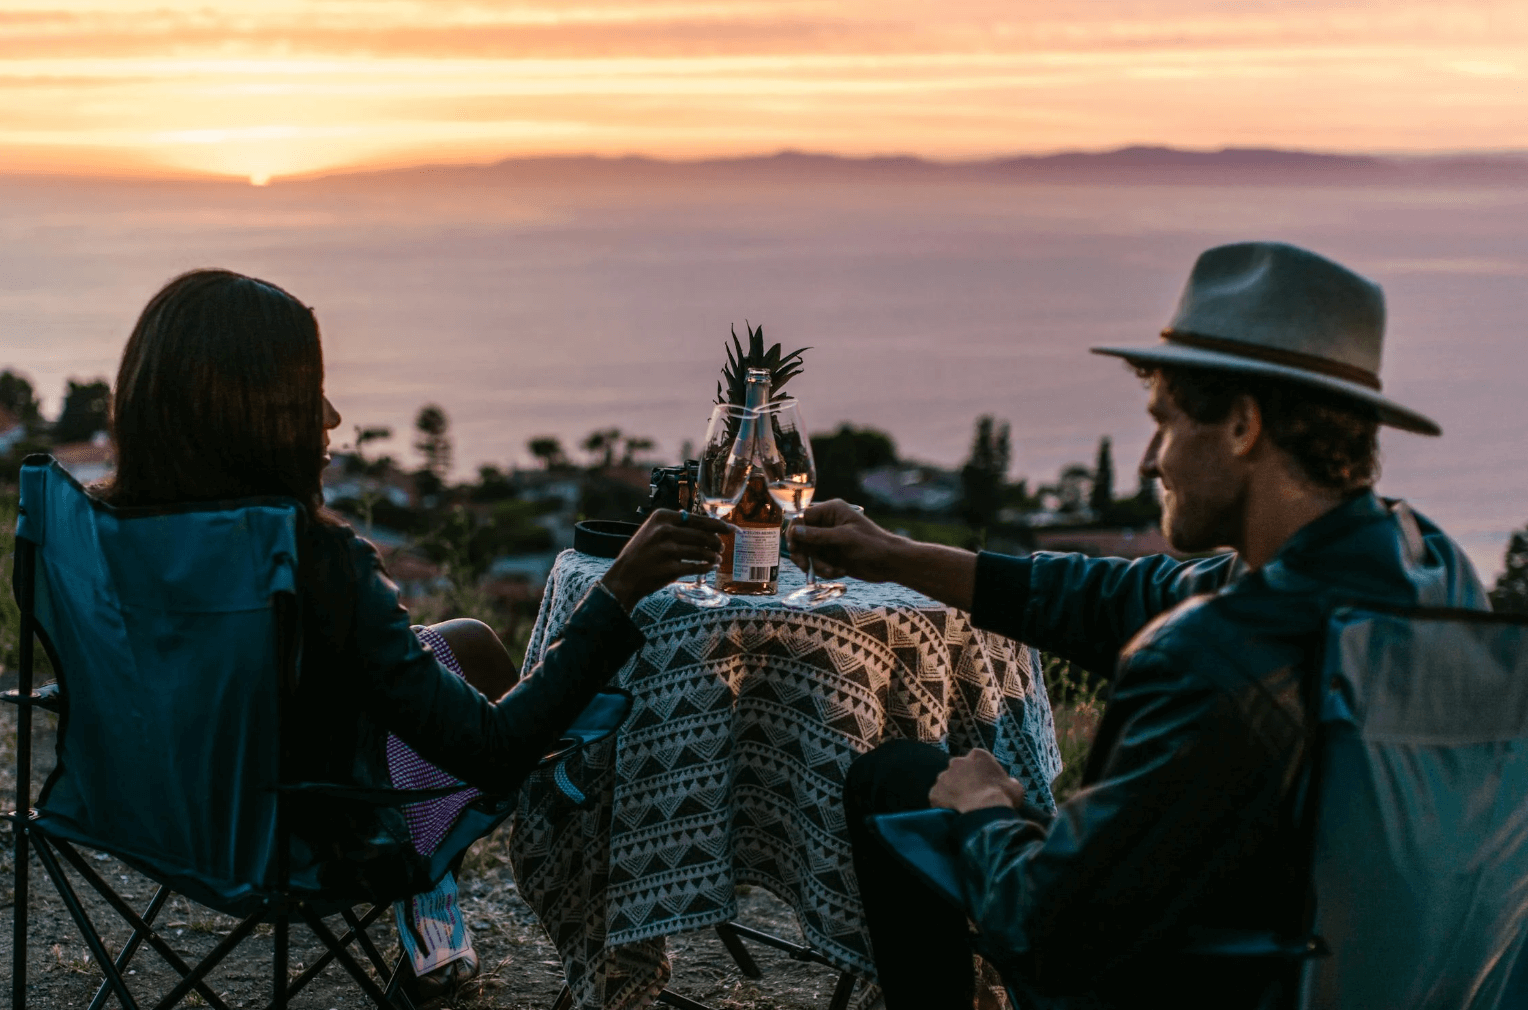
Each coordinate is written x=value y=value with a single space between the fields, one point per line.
x=1085 y=609
x=1192 y=785
x=493 y=746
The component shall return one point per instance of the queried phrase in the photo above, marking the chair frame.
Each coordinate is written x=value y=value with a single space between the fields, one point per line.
x=280 y=911
x=732 y=935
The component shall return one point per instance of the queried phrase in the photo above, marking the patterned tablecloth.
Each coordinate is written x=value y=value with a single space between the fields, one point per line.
x=730 y=767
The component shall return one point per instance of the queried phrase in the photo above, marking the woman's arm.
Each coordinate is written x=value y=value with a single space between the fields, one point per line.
x=495 y=745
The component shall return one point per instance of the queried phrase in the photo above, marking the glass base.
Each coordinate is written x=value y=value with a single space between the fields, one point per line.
x=814 y=595
x=698 y=594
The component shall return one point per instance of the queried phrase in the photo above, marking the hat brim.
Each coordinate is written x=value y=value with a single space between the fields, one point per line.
x=1388 y=410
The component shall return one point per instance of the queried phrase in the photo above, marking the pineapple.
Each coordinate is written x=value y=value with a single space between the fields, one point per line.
x=734 y=373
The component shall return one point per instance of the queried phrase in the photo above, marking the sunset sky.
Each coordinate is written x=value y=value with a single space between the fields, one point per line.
x=264 y=88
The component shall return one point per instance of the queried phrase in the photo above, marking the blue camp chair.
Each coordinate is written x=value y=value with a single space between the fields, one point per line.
x=1416 y=819
x=175 y=636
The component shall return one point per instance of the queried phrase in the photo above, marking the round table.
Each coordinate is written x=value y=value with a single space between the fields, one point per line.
x=730 y=768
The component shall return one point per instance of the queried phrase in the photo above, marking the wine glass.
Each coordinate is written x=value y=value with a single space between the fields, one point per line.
x=792 y=477
x=722 y=479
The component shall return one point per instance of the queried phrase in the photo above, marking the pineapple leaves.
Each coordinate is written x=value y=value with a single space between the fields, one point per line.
x=782 y=367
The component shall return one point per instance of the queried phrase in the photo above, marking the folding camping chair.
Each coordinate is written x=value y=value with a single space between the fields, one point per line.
x=1416 y=818
x=175 y=636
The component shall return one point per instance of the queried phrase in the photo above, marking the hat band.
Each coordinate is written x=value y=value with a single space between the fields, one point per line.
x=1276 y=356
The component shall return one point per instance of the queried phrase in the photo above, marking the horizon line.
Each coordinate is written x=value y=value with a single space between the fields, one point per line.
x=167 y=174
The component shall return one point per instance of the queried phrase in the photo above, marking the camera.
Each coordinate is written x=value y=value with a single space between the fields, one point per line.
x=673 y=487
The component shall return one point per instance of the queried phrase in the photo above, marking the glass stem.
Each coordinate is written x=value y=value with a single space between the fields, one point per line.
x=811 y=574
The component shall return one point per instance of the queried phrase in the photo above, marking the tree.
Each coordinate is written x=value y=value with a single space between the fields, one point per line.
x=844 y=456
x=1072 y=488
x=1139 y=511
x=635 y=446
x=1511 y=592
x=493 y=485
x=985 y=473
x=1102 y=495
x=601 y=445
x=434 y=442
x=18 y=397
x=549 y=450
x=86 y=411
x=358 y=462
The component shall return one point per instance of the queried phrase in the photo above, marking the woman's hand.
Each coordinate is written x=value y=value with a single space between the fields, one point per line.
x=668 y=546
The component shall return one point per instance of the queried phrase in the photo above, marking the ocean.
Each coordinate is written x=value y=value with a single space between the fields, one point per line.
x=558 y=301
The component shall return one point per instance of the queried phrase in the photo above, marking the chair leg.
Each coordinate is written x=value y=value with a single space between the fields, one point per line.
x=19 y=911
x=364 y=939
x=82 y=920
x=142 y=928
x=842 y=991
x=194 y=980
x=279 y=964
x=746 y=964
x=394 y=988
x=796 y=951
x=678 y=1002
x=342 y=955
x=310 y=973
x=103 y=992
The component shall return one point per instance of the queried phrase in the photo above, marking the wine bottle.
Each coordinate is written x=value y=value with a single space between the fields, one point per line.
x=751 y=554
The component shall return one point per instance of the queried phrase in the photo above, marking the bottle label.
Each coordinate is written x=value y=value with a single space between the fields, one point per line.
x=756 y=555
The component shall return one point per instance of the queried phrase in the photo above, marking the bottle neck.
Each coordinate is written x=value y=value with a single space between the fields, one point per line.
x=756 y=389
x=755 y=398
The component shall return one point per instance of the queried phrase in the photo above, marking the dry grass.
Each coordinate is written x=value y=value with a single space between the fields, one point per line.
x=1077 y=703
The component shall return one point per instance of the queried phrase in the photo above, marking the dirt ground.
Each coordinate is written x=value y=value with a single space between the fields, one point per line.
x=520 y=968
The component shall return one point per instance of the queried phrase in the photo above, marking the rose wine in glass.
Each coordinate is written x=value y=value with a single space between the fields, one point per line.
x=792 y=476
x=719 y=486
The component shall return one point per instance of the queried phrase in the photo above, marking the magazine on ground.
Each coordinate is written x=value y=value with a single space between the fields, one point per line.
x=431 y=927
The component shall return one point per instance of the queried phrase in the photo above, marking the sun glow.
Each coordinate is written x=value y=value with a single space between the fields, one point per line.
x=271 y=88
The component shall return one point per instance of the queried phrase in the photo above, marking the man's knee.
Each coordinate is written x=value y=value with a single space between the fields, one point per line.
x=897 y=775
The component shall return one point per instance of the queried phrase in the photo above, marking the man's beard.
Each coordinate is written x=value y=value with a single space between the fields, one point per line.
x=1199 y=524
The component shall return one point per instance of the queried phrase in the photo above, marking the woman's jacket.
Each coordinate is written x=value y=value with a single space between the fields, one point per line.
x=364 y=674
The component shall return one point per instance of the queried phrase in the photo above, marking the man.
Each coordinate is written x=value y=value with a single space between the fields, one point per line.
x=1266 y=399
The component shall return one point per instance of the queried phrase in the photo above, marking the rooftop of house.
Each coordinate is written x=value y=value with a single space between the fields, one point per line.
x=1108 y=543
x=96 y=451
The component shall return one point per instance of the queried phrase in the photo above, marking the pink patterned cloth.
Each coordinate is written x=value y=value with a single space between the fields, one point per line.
x=428 y=821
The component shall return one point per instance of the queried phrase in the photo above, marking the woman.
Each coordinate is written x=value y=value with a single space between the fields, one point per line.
x=220 y=396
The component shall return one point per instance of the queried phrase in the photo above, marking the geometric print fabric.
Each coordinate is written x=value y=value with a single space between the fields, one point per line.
x=730 y=768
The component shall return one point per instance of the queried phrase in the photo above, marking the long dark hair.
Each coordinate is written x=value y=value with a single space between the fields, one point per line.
x=220 y=395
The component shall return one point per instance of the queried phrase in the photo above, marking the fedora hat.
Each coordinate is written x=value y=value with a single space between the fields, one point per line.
x=1267 y=308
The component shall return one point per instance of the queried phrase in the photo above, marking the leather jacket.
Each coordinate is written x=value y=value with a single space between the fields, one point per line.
x=1186 y=822
x=364 y=674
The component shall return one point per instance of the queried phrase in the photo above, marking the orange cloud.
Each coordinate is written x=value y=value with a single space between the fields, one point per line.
x=288 y=86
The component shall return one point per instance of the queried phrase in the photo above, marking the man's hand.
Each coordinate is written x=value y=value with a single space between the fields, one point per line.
x=662 y=550
x=975 y=781
x=841 y=541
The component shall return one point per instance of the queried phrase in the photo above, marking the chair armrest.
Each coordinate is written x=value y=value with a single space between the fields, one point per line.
x=47 y=697
x=599 y=719
x=376 y=797
x=1253 y=943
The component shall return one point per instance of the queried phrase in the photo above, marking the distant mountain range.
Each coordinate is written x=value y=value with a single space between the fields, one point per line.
x=1140 y=164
